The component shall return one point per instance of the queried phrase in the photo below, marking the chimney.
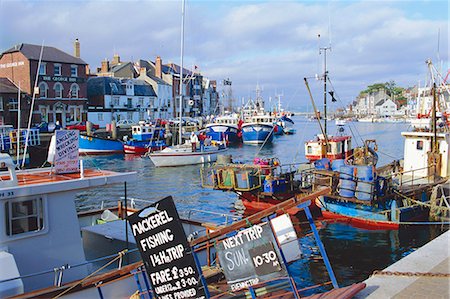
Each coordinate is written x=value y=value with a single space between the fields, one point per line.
x=158 y=67
x=76 y=49
x=105 y=66
x=142 y=71
x=116 y=59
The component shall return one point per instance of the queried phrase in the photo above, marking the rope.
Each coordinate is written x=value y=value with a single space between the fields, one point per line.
x=264 y=143
x=119 y=256
x=411 y=274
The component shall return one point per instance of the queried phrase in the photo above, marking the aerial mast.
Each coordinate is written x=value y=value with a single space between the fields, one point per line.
x=325 y=73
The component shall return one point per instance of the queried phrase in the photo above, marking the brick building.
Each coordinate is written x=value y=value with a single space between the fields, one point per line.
x=61 y=93
x=9 y=104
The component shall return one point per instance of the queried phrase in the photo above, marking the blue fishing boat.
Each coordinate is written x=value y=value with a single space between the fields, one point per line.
x=225 y=129
x=260 y=129
x=146 y=138
x=388 y=196
x=99 y=145
x=287 y=125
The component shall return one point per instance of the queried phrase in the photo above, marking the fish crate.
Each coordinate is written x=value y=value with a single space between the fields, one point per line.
x=247 y=179
x=209 y=177
x=225 y=178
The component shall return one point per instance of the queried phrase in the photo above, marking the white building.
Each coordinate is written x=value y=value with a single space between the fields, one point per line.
x=385 y=108
x=162 y=108
x=114 y=99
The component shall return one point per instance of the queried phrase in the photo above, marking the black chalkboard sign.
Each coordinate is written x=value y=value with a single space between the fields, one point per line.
x=165 y=251
x=240 y=255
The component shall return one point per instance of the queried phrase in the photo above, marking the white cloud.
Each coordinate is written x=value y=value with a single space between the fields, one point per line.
x=273 y=43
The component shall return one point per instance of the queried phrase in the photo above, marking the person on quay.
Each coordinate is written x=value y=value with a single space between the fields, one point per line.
x=201 y=138
x=194 y=140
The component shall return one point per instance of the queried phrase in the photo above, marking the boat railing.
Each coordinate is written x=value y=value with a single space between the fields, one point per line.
x=59 y=272
x=227 y=217
x=237 y=177
x=414 y=176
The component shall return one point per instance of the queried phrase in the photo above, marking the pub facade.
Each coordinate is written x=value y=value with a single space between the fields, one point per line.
x=61 y=89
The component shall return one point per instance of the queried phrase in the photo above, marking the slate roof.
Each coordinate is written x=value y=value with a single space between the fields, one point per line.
x=157 y=80
x=32 y=52
x=6 y=86
x=99 y=86
x=172 y=68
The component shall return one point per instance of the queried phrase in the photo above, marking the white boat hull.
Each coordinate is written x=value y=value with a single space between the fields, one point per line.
x=180 y=157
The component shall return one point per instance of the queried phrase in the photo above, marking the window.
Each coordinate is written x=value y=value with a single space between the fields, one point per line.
x=74 y=90
x=115 y=101
x=1 y=103
x=419 y=145
x=13 y=104
x=43 y=69
x=309 y=149
x=100 y=117
x=74 y=70
x=43 y=88
x=23 y=216
x=57 y=70
x=58 y=90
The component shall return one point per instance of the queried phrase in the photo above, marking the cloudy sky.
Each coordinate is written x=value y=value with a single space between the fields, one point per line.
x=271 y=43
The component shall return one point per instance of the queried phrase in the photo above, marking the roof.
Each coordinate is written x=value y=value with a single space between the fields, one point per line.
x=172 y=68
x=6 y=86
x=99 y=86
x=156 y=79
x=32 y=52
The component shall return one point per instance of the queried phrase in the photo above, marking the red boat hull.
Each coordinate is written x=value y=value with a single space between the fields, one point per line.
x=136 y=150
x=360 y=222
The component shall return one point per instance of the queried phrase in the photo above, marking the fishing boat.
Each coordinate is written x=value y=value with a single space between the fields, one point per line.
x=287 y=125
x=259 y=185
x=394 y=194
x=181 y=155
x=145 y=137
x=225 y=128
x=259 y=129
x=91 y=145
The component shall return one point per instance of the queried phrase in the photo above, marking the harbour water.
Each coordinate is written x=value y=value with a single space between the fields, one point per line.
x=354 y=253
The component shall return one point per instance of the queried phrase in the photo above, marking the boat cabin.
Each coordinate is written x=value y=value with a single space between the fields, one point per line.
x=416 y=154
x=40 y=228
x=339 y=147
x=142 y=132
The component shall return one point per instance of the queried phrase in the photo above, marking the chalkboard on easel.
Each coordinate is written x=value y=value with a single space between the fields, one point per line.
x=250 y=257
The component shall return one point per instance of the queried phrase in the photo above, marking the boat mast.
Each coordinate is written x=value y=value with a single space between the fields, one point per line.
x=325 y=73
x=180 y=140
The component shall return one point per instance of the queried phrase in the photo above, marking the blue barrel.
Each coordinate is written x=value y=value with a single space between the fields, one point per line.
x=336 y=164
x=365 y=173
x=323 y=163
x=364 y=190
x=365 y=176
x=346 y=183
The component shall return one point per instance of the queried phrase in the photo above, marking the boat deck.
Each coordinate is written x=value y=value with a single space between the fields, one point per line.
x=46 y=176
